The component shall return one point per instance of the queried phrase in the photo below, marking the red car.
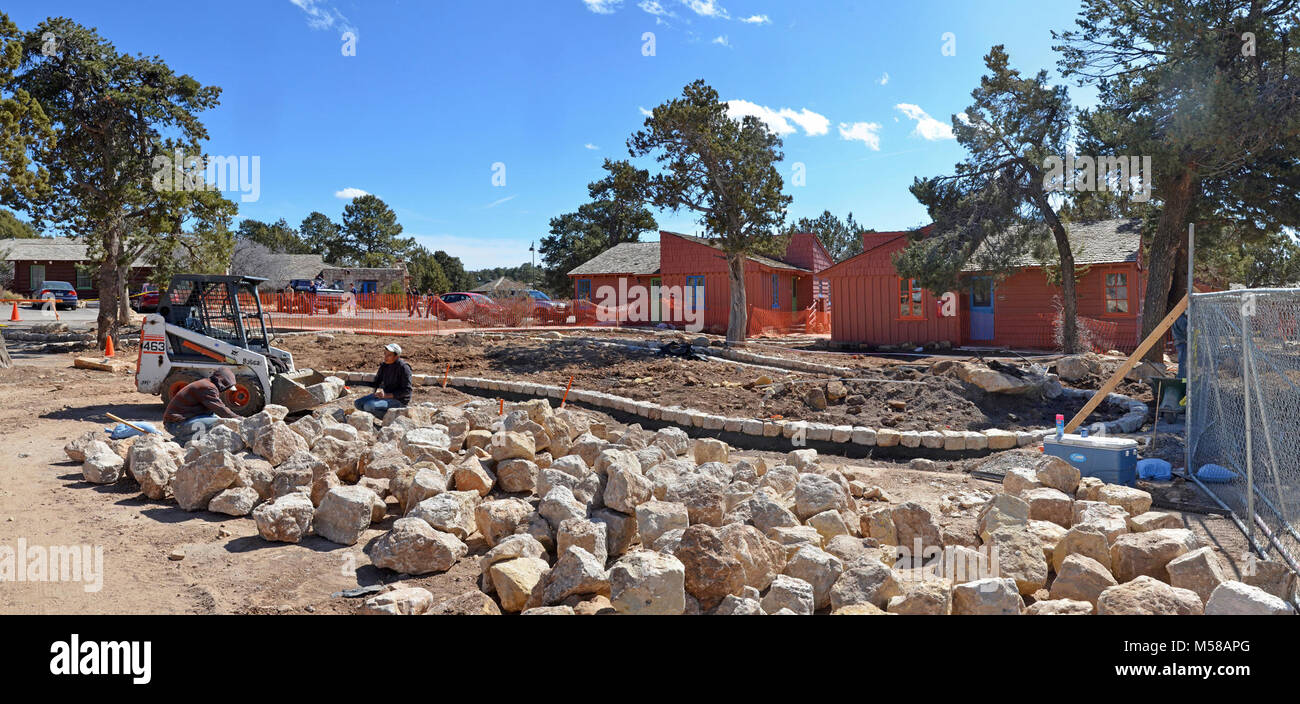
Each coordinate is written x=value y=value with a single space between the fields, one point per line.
x=474 y=307
x=146 y=302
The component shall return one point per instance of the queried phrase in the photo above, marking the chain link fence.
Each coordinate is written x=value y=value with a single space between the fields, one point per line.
x=1244 y=354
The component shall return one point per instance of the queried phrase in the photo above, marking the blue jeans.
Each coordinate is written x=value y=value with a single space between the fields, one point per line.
x=376 y=407
x=186 y=429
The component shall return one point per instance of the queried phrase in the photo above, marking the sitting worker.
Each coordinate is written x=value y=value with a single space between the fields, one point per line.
x=392 y=383
x=198 y=406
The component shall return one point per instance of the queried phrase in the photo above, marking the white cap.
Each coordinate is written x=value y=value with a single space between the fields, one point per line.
x=393 y=347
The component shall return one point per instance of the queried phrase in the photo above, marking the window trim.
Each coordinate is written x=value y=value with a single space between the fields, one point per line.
x=578 y=293
x=776 y=292
x=912 y=286
x=697 y=303
x=1105 y=295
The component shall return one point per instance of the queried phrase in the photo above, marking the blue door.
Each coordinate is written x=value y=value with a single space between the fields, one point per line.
x=981 y=308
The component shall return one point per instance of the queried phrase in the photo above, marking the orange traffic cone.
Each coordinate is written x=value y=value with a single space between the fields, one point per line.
x=108 y=346
x=14 y=316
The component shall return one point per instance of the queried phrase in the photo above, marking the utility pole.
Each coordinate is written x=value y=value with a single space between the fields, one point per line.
x=532 y=272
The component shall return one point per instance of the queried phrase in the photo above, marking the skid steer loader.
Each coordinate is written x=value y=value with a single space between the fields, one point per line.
x=208 y=321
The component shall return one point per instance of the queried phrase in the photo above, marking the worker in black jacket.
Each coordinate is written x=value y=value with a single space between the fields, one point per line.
x=392 y=384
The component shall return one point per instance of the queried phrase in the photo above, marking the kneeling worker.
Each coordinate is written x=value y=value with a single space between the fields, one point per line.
x=198 y=406
x=393 y=384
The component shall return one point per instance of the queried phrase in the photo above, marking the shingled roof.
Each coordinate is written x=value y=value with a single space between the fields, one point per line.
x=47 y=249
x=636 y=258
x=758 y=258
x=1101 y=242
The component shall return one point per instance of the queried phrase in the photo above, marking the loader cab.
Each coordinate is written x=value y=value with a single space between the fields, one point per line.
x=225 y=308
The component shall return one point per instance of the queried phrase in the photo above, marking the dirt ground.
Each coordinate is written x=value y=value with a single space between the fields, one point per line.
x=226 y=567
x=882 y=392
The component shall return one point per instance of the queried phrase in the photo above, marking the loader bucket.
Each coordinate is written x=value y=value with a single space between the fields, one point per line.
x=304 y=389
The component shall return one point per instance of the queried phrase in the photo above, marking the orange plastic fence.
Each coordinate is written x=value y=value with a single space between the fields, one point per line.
x=403 y=314
x=766 y=322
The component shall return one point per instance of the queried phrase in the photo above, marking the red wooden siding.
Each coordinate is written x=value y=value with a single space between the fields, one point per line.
x=679 y=258
x=866 y=294
x=1024 y=315
x=866 y=291
x=67 y=271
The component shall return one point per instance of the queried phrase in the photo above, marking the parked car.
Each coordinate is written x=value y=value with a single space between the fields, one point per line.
x=474 y=307
x=64 y=295
x=324 y=298
x=547 y=311
x=147 y=301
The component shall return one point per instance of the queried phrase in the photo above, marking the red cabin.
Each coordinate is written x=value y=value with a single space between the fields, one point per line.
x=875 y=306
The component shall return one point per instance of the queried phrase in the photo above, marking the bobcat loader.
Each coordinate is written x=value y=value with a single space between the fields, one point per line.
x=208 y=321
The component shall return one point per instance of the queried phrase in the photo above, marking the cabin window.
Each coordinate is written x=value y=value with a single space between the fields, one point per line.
x=83 y=279
x=584 y=289
x=776 y=292
x=695 y=296
x=1117 y=292
x=909 y=300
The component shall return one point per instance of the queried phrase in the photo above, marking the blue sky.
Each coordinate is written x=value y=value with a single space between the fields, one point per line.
x=439 y=91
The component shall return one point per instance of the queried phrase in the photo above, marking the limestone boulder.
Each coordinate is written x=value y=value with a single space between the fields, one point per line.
x=196 y=482
x=576 y=573
x=239 y=501
x=867 y=582
x=285 y=520
x=990 y=596
x=1199 y=570
x=647 y=582
x=792 y=593
x=712 y=571
x=1233 y=598
x=1148 y=596
x=1135 y=554
x=344 y=514
x=414 y=547
x=515 y=580
x=818 y=568
x=1082 y=578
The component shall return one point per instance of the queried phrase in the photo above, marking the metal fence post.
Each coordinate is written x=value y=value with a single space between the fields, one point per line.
x=1246 y=382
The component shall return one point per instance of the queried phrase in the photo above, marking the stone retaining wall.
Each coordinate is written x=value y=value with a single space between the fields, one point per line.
x=967 y=442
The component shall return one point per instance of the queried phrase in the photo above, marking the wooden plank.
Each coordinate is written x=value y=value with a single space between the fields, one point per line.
x=5 y=361
x=1127 y=366
x=102 y=364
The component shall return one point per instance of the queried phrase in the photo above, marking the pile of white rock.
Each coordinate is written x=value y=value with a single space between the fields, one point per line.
x=1103 y=550
x=579 y=518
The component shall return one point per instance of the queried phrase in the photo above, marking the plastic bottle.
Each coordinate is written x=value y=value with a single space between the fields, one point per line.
x=1060 y=426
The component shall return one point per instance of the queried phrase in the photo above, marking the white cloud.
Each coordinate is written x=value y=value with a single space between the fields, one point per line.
x=591 y=146
x=927 y=127
x=722 y=41
x=349 y=193
x=499 y=201
x=706 y=8
x=645 y=112
x=884 y=78
x=655 y=8
x=602 y=7
x=757 y=19
x=321 y=15
x=865 y=132
x=779 y=121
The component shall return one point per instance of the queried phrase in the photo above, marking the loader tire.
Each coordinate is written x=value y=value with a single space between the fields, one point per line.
x=246 y=397
x=176 y=381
